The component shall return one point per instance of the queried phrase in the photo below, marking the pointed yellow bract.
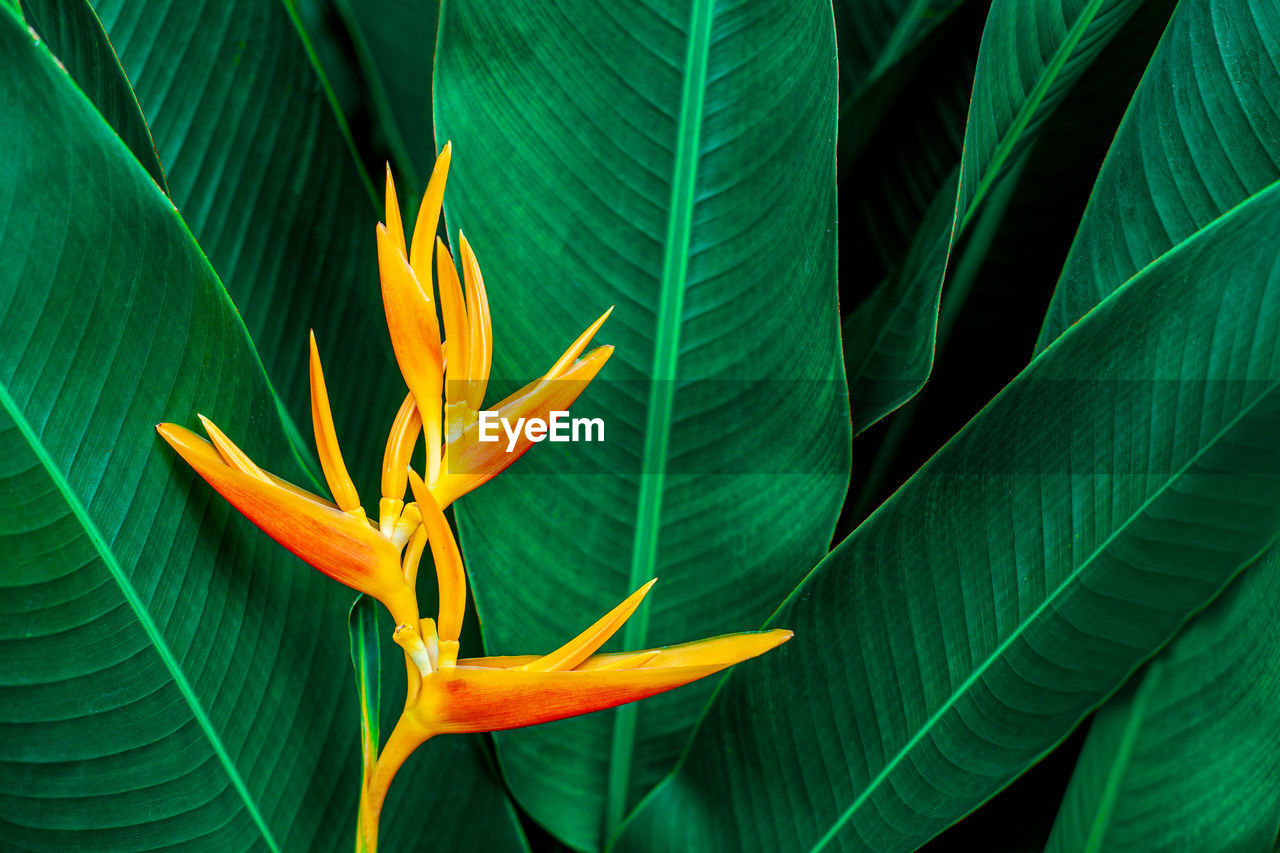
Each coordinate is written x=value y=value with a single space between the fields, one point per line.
x=335 y=470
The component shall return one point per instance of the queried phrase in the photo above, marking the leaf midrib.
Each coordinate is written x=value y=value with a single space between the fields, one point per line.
x=1121 y=763
x=1034 y=98
x=996 y=655
x=675 y=265
x=131 y=596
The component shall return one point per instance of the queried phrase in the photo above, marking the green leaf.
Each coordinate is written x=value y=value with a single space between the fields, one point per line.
x=73 y=32
x=395 y=43
x=1016 y=580
x=889 y=338
x=1181 y=759
x=261 y=171
x=169 y=677
x=125 y=602
x=1201 y=135
x=1031 y=55
x=363 y=632
x=657 y=158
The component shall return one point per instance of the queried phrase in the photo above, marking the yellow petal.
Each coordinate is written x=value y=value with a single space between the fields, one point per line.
x=582 y=646
x=415 y=333
x=454 y=311
x=394 y=226
x=335 y=471
x=424 y=229
x=575 y=349
x=413 y=556
x=341 y=546
x=629 y=661
x=450 y=577
x=480 y=331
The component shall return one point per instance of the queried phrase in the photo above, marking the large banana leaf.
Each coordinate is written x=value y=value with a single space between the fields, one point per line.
x=1186 y=757
x=1058 y=540
x=675 y=159
x=261 y=171
x=1032 y=52
x=168 y=675
x=1201 y=135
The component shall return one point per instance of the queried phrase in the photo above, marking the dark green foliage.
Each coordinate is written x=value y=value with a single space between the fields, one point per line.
x=1033 y=523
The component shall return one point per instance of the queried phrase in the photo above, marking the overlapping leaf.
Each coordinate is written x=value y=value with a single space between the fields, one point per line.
x=395 y=45
x=1185 y=757
x=1032 y=53
x=1059 y=539
x=1201 y=136
x=168 y=675
x=676 y=160
x=261 y=171
x=75 y=35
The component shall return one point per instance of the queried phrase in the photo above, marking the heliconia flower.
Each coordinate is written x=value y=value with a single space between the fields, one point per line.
x=448 y=375
x=485 y=694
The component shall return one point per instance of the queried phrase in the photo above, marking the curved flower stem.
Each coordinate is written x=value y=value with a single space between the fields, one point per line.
x=404 y=739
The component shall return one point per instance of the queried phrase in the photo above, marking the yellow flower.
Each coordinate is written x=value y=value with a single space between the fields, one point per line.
x=451 y=696
x=336 y=537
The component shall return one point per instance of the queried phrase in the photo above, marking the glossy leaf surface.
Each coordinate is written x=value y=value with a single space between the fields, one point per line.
x=261 y=171
x=964 y=629
x=676 y=160
x=1031 y=54
x=73 y=32
x=1185 y=757
x=1201 y=136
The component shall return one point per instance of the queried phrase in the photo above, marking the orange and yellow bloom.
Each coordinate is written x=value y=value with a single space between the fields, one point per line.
x=447 y=376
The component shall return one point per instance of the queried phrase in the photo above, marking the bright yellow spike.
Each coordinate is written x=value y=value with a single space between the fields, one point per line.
x=424 y=229
x=394 y=225
x=232 y=455
x=575 y=349
x=415 y=338
x=335 y=470
x=444 y=550
x=395 y=463
x=454 y=311
x=480 y=332
x=584 y=645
